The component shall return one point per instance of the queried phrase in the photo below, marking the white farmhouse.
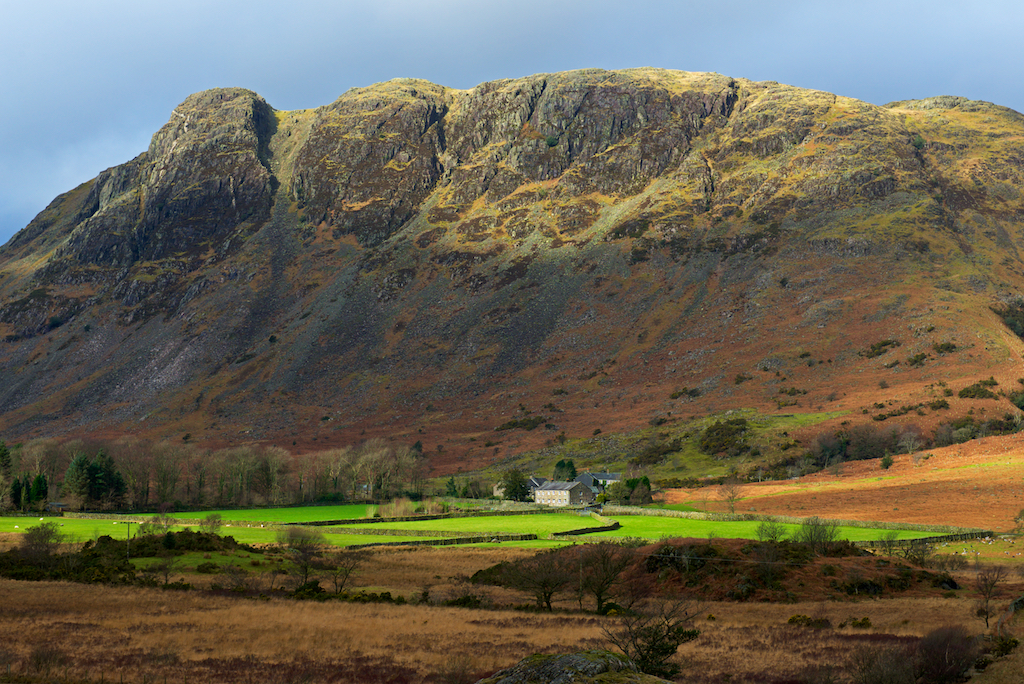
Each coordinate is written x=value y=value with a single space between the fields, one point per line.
x=563 y=494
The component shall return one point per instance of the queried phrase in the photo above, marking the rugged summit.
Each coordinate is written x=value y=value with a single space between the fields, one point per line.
x=419 y=262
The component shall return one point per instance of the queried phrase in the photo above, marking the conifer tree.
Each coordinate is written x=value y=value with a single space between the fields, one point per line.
x=16 y=493
x=5 y=462
x=40 y=488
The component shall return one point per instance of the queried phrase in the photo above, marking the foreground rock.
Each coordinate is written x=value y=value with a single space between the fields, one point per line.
x=586 y=667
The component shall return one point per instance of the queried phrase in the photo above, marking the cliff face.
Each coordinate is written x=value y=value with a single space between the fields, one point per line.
x=413 y=260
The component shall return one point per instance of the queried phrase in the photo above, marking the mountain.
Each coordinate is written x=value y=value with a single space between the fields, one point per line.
x=590 y=250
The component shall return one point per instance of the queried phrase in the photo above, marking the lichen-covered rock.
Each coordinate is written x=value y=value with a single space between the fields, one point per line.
x=586 y=667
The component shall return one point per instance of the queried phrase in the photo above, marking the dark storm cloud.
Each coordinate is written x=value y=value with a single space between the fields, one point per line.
x=83 y=86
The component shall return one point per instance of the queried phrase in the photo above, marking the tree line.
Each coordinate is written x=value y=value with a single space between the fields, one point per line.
x=131 y=473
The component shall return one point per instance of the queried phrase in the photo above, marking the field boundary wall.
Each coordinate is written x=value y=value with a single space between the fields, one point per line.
x=451 y=541
x=966 y=536
x=437 y=516
x=791 y=520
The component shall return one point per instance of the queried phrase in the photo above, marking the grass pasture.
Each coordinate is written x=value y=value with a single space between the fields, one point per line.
x=289 y=515
x=651 y=527
x=543 y=525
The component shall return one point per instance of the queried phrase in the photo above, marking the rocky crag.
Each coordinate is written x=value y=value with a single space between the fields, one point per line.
x=418 y=262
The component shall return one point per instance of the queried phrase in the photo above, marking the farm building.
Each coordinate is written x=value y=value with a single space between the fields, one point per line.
x=564 y=494
x=598 y=481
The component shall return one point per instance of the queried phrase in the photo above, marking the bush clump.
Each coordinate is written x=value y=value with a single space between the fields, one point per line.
x=531 y=423
x=978 y=390
x=879 y=348
x=725 y=436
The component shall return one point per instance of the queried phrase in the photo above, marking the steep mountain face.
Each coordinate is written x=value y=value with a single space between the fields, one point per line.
x=418 y=262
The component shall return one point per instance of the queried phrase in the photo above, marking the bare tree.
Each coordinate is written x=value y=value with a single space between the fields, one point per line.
x=543 y=576
x=167 y=462
x=195 y=471
x=373 y=465
x=770 y=531
x=888 y=542
x=133 y=458
x=819 y=534
x=730 y=492
x=652 y=633
x=304 y=546
x=165 y=565
x=987 y=582
x=704 y=494
x=341 y=566
x=211 y=523
x=919 y=552
x=602 y=566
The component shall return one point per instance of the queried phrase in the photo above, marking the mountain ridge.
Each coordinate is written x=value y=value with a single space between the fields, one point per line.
x=418 y=262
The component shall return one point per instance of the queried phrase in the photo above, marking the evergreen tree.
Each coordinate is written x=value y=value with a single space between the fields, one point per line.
x=5 y=462
x=76 y=479
x=106 y=484
x=40 y=488
x=515 y=486
x=450 y=488
x=16 y=493
x=94 y=481
x=565 y=471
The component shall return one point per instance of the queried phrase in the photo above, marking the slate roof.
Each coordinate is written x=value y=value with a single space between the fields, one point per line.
x=556 y=486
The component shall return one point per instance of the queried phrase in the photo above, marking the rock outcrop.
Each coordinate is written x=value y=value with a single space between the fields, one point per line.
x=410 y=245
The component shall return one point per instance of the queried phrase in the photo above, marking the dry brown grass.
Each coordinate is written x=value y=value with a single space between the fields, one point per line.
x=974 y=484
x=106 y=632
x=109 y=632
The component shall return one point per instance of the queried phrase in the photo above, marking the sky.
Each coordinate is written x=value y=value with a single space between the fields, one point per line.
x=85 y=85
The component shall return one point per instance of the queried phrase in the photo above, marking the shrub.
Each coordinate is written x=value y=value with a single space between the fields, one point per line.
x=807 y=621
x=820 y=535
x=1012 y=315
x=211 y=524
x=894 y=665
x=724 y=436
x=522 y=423
x=770 y=531
x=45 y=657
x=1003 y=644
x=917 y=360
x=944 y=655
x=886 y=462
x=879 y=348
x=976 y=391
x=652 y=635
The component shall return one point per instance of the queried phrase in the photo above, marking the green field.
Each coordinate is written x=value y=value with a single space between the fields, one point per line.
x=543 y=525
x=288 y=515
x=650 y=527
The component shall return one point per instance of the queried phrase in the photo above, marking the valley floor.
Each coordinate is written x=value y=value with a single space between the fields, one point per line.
x=131 y=634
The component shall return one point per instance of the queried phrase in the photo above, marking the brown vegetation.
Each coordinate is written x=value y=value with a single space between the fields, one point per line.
x=108 y=632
